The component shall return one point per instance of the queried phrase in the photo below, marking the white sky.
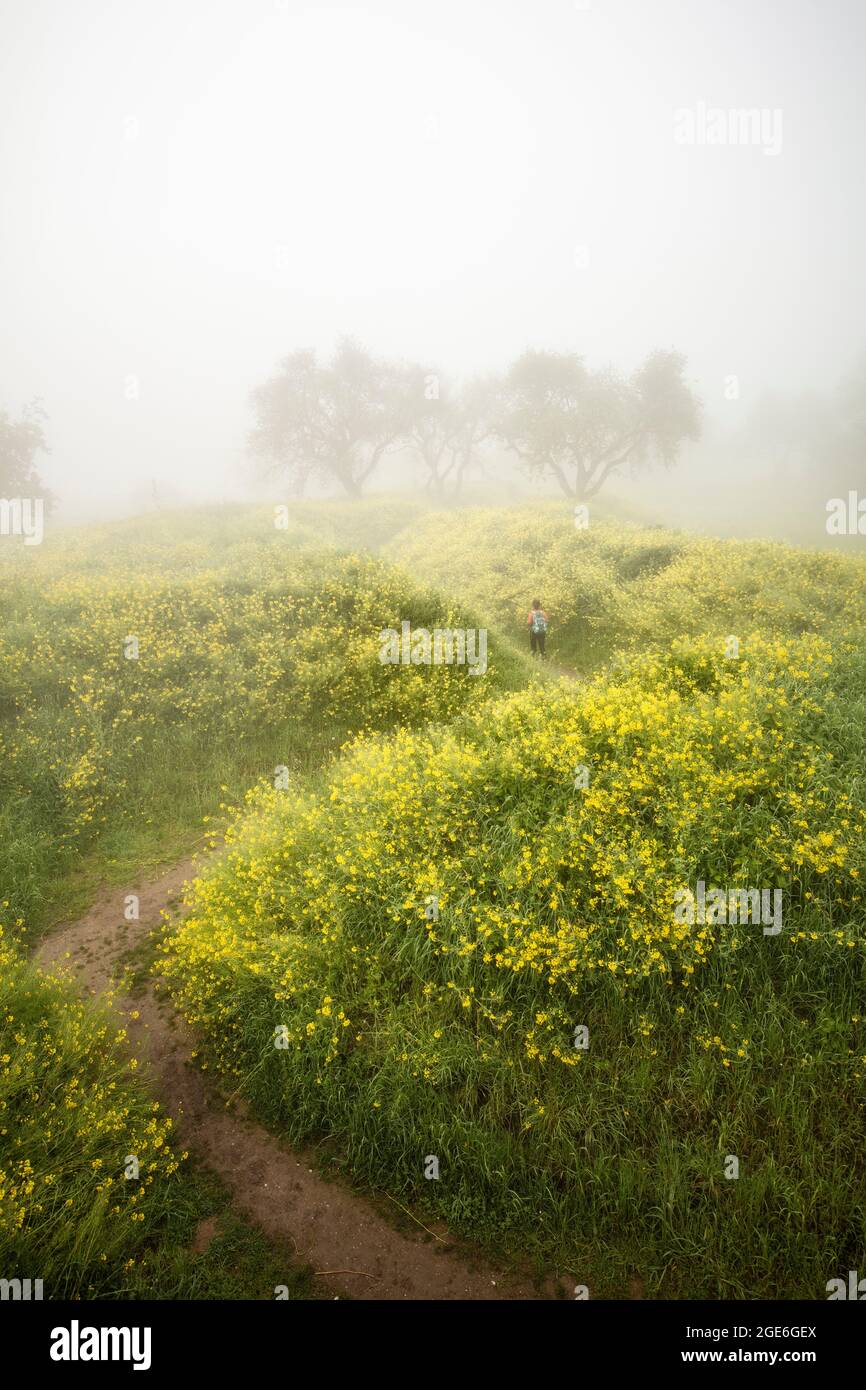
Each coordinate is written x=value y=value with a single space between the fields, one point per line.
x=192 y=188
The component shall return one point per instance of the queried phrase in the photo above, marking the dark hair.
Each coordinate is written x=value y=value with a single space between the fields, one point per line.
x=536 y=603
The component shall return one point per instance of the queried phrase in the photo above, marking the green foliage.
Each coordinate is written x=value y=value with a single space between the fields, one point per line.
x=256 y=649
x=73 y=1111
x=408 y=1035
x=612 y=585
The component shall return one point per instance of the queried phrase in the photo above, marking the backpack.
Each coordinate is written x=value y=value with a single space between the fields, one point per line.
x=539 y=622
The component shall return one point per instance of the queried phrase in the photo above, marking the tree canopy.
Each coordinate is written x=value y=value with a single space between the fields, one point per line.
x=21 y=441
x=334 y=420
x=580 y=426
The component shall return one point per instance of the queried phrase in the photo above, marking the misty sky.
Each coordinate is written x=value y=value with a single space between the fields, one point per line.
x=192 y=188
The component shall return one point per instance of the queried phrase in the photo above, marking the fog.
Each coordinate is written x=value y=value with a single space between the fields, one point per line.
x=193 y=190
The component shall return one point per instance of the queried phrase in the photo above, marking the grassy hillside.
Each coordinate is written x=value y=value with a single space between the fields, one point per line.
x=256 y=648
x=615 y=585
x=423 y=921
x=407 y=1037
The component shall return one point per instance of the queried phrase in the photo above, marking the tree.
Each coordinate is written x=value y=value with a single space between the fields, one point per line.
x=333 y=421
x=446 y=425
x=478 y=408
x=20 y=443
x=581 y=426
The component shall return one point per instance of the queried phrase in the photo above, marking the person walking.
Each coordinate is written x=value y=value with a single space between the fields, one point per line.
x=537 y=628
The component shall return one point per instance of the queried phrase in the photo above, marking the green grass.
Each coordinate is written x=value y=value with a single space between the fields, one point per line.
x=459 y=1034
x=72 y=1111
x=613 y=1170
x=617 y=585
x=257 y=649
x=111 y=769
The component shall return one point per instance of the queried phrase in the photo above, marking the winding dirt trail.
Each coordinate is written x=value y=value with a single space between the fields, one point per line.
x=343 y=1238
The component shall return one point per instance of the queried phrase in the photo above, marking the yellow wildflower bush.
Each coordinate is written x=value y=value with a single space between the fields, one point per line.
x=615 y=585
x=434 y=929
x=121 y=691
x=72 y=1117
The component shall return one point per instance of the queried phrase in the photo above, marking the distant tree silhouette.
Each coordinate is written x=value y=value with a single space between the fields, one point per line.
x=579 y=426
x=21 y=441
x=446 y=424
x=333 y=420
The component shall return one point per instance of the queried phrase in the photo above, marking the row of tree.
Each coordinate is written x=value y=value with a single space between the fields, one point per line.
x=335 y=421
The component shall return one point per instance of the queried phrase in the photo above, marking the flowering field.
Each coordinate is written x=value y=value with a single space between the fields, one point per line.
x=464 y=947
x=423 y=938
x=612 y=586
x=254 y=648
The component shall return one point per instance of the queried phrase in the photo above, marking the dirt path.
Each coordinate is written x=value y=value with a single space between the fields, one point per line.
x=331 y=1228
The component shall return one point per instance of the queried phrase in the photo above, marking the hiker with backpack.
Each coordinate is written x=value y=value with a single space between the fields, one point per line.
x=537 y=627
